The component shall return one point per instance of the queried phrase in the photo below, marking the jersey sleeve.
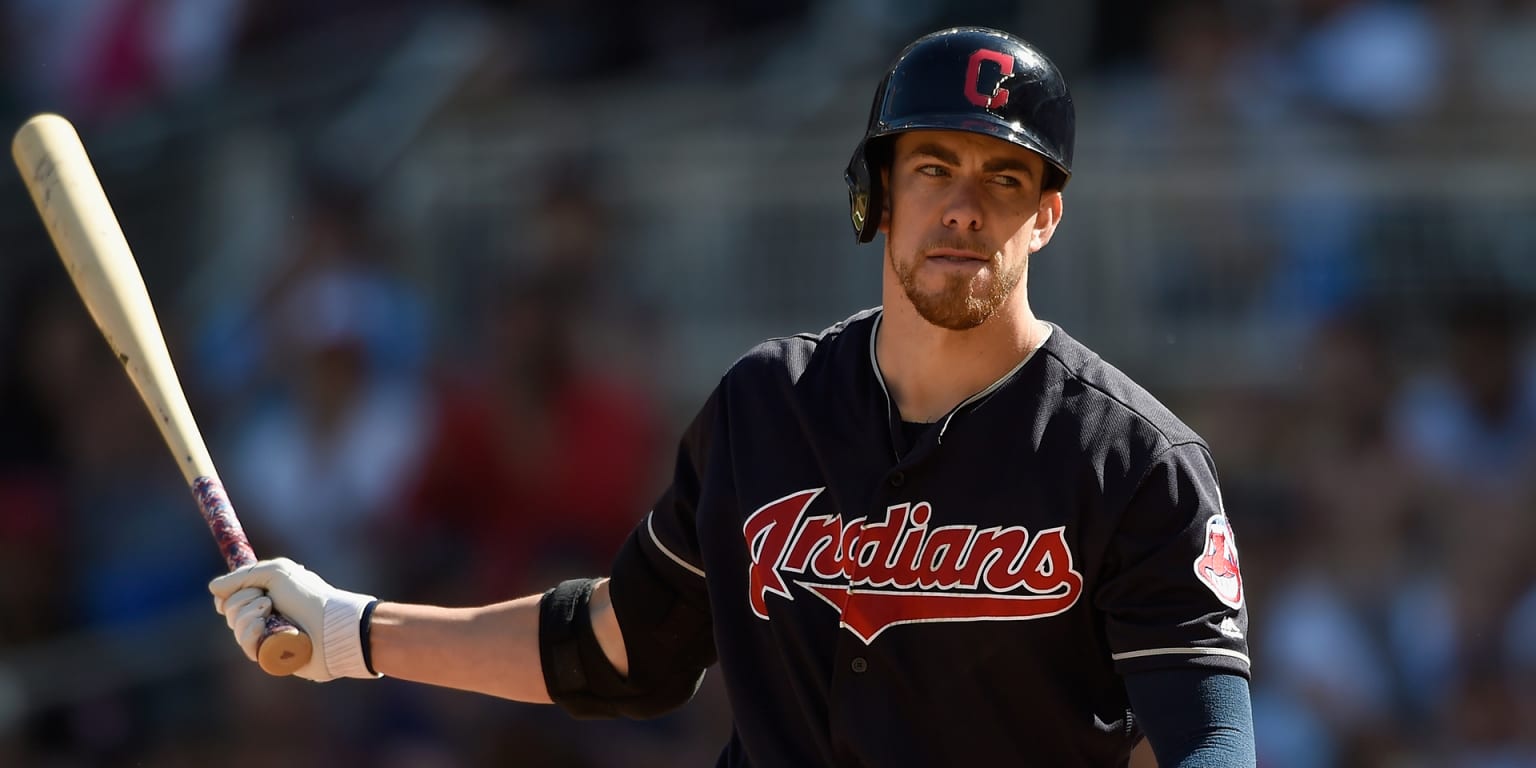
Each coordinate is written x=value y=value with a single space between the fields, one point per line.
x=659 y=592
x=1172 y=595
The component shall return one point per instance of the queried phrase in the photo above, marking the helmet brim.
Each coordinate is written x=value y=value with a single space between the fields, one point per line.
x=997 y=129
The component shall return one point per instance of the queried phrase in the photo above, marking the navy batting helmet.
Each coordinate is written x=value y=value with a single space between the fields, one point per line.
x=963 y=79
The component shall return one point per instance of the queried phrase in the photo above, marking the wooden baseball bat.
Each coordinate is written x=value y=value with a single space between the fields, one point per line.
x=90 y=242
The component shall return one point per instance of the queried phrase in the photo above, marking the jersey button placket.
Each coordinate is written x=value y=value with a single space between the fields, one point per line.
x=896 y=478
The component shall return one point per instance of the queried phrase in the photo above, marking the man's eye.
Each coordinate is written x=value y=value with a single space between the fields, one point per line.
x=931 y=170
x=1007 y=181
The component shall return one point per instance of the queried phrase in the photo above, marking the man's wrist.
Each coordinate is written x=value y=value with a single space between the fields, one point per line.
x=365 y=635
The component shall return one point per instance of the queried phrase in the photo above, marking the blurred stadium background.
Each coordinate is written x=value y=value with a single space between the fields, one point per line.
x=445 y=279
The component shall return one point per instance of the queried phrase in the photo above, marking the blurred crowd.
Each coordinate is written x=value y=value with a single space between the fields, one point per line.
x=485 y=426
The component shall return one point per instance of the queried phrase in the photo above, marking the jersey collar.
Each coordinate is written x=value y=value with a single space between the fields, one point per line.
x=874 y=364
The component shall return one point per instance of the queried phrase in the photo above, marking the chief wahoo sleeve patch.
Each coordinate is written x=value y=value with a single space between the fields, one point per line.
x=1217 y=564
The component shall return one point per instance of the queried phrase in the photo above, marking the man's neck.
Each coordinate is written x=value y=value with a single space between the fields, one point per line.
x=929 y=370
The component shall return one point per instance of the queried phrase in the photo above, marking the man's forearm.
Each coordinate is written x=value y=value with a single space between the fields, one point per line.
x=1194 y=716
x=492 y=649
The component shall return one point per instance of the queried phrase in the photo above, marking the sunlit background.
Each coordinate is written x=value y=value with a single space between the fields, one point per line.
x=445 y=279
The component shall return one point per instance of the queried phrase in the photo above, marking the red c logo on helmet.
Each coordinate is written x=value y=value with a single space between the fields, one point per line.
x=973 y=78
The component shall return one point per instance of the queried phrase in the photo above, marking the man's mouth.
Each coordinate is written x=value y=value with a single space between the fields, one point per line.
x=955 y=255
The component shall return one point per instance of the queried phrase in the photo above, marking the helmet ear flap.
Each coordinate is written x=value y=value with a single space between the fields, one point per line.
x=864 y=196
x=866 y=193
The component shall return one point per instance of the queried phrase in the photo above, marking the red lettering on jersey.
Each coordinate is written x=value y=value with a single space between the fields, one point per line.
x=1217 y=564
x=818 y=539
x=877 y=546
x=947 y=550
x=999 y=97
x=768 y=538
x=896 y=571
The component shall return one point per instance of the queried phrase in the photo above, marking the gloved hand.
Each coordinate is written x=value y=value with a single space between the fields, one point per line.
x=330 y=616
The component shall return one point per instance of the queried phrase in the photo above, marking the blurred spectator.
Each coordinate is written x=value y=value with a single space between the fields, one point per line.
x=1470 y=424
x=95 y=59
x=1365 y=60
x=548 y=439
x=544 y=461
x=1333 y=82
x=337 y=424
x=1182 y=104
x=1472 y=419
x=1357 y=635
x=324 y=465
x=247 y=338
x=544 y=452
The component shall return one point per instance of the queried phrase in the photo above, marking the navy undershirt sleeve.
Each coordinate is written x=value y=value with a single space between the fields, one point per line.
x=1194 y=716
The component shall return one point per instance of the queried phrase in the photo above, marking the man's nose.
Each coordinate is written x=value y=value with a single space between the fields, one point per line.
x=963 y=209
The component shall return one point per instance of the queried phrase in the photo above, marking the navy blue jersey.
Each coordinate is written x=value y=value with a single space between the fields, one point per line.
x=968 y=592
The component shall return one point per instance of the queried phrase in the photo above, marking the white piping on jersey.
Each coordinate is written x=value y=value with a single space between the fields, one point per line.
x=1186 y=651
x=993 y=387
x=690 y=567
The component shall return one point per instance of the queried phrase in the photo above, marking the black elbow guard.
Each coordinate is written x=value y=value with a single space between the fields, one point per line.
x=579 y=676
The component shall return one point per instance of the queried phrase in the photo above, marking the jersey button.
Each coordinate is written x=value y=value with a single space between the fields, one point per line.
x=859 y=664
x=897 y=478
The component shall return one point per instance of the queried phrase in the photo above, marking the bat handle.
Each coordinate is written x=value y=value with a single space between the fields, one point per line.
x=283 y=647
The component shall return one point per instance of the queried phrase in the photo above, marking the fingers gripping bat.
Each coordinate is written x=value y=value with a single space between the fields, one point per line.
x=74 y=208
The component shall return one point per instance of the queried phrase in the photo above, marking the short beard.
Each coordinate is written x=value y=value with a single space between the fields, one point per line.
x=962 y=303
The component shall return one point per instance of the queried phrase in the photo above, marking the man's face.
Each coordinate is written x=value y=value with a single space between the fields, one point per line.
x=965 y=212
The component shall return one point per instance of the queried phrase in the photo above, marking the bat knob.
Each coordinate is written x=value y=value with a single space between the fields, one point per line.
x=284 y=651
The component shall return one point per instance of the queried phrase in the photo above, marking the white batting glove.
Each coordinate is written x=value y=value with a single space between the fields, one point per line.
x=330 y=616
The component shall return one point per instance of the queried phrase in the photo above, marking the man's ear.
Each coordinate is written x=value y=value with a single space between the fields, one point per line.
x=1047 y=217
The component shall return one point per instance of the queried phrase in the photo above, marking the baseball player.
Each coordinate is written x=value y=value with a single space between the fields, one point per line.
x=939 y=532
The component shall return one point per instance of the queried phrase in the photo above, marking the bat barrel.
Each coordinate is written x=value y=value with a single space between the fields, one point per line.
x=74 y=208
